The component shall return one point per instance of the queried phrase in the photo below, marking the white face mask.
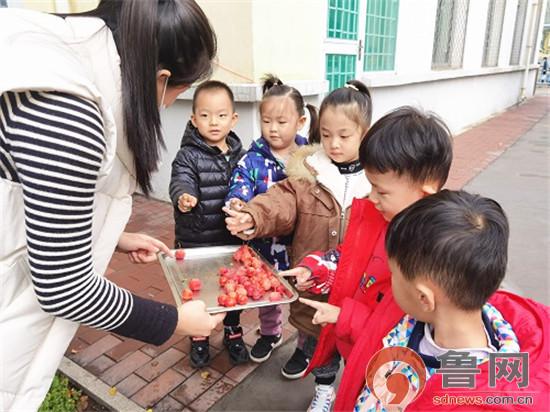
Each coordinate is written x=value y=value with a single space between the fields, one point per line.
x=162 y=105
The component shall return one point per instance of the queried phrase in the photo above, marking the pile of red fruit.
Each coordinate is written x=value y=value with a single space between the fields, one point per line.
x=248 y=278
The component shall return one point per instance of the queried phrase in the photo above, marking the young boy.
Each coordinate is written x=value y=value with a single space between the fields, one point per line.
x=406 y=155
x=448 y=255
x=200 y=179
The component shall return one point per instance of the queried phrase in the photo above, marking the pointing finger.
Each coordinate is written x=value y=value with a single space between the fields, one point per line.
x=313 y=303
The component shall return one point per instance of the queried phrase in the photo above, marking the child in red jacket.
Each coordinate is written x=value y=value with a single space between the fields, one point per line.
x=447 y=254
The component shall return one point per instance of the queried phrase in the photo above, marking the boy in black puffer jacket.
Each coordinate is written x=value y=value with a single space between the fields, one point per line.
x=200 y=180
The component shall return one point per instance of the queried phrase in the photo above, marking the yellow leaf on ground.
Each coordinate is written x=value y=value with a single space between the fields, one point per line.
x=205 y=375
x=112 y=391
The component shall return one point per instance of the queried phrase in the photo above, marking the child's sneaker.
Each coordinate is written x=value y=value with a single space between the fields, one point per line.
x=261 y=351
x=296 y=365
x=200 y=352
x=233 y=341
x=323 y=398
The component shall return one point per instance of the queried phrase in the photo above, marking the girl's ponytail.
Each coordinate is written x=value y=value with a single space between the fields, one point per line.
x=359 y=86
x=269 y=81
x=313 y=133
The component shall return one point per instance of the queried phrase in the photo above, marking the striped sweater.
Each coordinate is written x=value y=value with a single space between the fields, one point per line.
x=52 y=144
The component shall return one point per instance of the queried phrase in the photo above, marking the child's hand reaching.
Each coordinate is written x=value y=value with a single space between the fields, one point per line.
x=186 y=202
x=302 y=276
x=236 y=204
x=237 y=222
x=326 y=313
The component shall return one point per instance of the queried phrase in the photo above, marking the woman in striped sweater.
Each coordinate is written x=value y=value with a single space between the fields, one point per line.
x=79 y=130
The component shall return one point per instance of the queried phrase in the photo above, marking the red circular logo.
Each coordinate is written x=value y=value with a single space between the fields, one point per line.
x=396 y=376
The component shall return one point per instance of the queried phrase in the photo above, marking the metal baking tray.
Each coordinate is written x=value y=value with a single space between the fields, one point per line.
x=203 y=263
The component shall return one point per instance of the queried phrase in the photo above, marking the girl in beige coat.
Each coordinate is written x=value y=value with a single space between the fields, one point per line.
x=312 y=205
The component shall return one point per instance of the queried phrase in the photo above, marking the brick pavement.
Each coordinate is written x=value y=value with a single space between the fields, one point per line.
x=160 y=377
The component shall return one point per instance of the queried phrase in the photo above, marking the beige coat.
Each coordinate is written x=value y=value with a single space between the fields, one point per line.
x=313 y=205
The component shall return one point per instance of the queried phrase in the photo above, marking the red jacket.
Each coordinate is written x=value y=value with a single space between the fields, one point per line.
x=365 y=231
x=365 y=329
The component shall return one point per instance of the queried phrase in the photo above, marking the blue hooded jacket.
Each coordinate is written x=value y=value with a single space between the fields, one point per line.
x=256 y=172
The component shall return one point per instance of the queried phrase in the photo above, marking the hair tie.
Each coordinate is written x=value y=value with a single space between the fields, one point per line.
x=351 y=86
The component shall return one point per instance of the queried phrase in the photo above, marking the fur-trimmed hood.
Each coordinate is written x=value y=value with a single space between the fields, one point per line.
x=311 y=163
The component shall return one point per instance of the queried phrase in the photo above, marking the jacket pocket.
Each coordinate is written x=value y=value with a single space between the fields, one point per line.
x=317 y=202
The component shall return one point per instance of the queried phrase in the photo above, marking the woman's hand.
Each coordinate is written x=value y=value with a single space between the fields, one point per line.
x=141 y=248
x=326 y=313
x=302 y=276
x=238 y=222
x=186 y=202
x=193 y=320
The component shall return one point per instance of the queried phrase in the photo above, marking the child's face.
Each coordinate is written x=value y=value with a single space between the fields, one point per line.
x=214 y=116
x=392 y=193
x=280 y=122
x=340 y=136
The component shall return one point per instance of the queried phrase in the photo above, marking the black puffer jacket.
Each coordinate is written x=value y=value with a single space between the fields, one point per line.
x=203 y=171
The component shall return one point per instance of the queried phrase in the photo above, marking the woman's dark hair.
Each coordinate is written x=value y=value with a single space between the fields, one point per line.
x=152 y=35
x=410 y=143
x=273 y=86
x=354 y=99
x=457 y=240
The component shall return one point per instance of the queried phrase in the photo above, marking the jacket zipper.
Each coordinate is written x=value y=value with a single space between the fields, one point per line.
x=343 y=212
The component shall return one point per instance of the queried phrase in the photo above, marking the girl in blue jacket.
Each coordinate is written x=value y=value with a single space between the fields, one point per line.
x=282 y=114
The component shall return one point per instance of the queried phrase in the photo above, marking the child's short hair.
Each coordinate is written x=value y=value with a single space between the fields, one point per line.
x=354 y=99
x=457 y=240
x=410 y=143
x=213 y=85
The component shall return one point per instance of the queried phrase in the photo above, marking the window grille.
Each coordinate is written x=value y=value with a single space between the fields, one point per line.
x=342 y=19
x=339 y=69
x=534 y=50
x=493 y=33
x=450 y=34
x=380 y=35
x=519 y=28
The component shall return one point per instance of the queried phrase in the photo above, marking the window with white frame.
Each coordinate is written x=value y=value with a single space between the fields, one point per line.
x=493 y=32
x=519 y=28
x=380 y=34
x=342 y=19
x=450 y=34
x=534 y=50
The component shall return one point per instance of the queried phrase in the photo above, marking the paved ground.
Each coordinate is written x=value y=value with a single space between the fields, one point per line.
x=160 y=377
x=520 y=182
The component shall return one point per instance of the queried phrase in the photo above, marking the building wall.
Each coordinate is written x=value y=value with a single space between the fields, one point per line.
x=461 y=102
x=287 y=38
x=232 y=22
